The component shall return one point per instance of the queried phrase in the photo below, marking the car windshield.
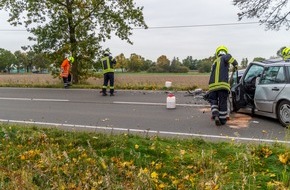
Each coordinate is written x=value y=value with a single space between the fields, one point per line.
x=253 y=71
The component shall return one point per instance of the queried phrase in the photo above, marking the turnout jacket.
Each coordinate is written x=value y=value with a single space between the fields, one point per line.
x=286 y=58
x=108 y=64
x=219 y=77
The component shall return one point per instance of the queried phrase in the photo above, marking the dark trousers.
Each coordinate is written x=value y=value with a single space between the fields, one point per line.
x=108 y=77
x=67 y=81
x=218 y=100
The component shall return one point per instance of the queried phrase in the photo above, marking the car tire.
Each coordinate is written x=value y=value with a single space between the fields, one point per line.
x=283 y=113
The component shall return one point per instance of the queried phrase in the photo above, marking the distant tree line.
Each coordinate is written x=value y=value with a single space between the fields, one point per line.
x=137 y=63
x=28 y=60
x=23 y=61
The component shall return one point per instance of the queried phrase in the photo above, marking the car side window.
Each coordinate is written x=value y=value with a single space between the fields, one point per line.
x=273 y=75
x=281 y=78
x=288 y=68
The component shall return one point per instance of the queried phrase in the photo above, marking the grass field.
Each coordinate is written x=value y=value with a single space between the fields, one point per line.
x=35 y=158
x=122 y=81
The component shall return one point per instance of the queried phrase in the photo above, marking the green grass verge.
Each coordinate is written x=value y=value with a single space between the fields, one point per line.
x=47 y=158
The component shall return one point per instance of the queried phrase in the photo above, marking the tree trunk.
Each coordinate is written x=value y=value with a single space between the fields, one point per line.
x=73 y=42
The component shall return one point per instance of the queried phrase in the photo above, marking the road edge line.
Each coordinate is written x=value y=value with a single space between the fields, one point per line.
x=146 y=131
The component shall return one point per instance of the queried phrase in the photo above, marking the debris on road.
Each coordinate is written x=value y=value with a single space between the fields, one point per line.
x=195 y=92
x=236 y=121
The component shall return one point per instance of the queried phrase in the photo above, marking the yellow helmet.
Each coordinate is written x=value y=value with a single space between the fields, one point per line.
x=221 y=50
x=71 y=59
x=285 y=51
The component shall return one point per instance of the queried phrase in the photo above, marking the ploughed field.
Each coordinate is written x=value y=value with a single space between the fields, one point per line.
x=126 y=81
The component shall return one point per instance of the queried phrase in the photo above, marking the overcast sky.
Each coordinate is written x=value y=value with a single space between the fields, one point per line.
x=243 y=41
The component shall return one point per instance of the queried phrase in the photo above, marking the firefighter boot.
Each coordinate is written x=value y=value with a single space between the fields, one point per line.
x=65 y=85
x=223 y=121
x=104 y=92
x=112 y=92
x=217 y=121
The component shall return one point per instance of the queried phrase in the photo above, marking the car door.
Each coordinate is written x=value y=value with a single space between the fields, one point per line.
x=272 y=82
x=243 y=93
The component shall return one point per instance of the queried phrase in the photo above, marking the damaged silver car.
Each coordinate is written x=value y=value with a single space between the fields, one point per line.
x=264 y=89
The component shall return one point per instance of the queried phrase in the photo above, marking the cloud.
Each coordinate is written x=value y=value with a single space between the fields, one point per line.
x=243 y=41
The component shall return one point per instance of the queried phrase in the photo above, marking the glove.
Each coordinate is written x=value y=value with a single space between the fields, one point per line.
x=61 y=70
x=235 y=68
x=206 y=96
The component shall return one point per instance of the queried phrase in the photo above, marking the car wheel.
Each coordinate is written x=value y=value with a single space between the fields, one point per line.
x=283 y=113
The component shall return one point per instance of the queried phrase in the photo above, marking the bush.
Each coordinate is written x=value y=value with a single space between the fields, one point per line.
x=180 y=69
x=156 y=69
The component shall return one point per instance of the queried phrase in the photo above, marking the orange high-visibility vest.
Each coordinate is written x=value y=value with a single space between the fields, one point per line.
x=65 y=68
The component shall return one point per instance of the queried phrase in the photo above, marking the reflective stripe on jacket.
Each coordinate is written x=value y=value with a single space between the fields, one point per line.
x=286 y=58
x=65 y=68
x=219 y=78
x=108 y=64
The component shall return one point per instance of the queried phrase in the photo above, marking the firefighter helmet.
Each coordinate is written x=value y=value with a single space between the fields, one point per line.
x=71 y=59
x=285 y=51
x=221 y=50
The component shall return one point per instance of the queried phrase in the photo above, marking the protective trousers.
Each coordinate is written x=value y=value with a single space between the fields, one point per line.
x=218 y=100
x=108 y=77
x=67 y=81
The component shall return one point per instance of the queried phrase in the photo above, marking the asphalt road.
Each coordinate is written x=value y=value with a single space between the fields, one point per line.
x=132 y=111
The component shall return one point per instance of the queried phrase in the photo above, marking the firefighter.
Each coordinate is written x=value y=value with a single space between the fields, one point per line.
x=219 y=86
x=108 y=63
x=286 y=53
x=65 y=71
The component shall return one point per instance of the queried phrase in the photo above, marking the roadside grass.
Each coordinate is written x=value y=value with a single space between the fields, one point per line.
x=33 y=157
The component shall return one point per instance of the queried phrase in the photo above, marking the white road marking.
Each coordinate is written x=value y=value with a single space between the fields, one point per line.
x=160 y=104
x=139 y=103
x=50 y=100
x=35 y=99
x=147 y=131
x=25 y=99
x=115 y=102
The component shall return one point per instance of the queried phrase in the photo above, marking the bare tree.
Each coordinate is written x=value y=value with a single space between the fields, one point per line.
x=273 y=13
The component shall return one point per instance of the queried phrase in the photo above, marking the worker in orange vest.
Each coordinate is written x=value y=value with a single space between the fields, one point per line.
x=65 y=71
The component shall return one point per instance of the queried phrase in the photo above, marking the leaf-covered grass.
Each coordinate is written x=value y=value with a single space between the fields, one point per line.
x=32 y=157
